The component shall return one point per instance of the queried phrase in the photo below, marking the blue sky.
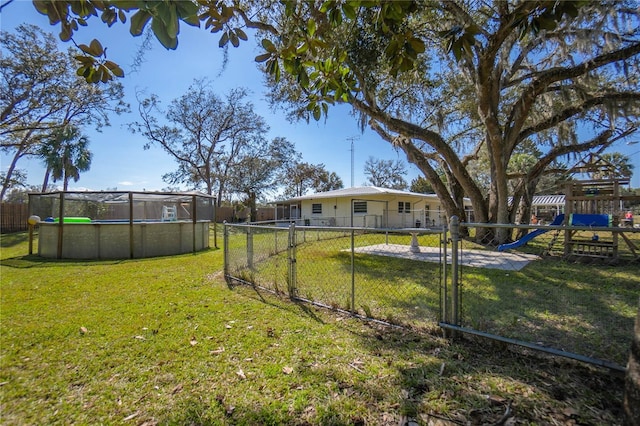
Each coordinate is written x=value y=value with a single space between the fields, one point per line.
x=119 y=159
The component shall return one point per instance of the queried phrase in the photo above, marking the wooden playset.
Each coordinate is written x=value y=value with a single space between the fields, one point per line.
x=596 y=204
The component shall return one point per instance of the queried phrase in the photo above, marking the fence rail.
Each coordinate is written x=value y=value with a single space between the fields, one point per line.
x=536 y=296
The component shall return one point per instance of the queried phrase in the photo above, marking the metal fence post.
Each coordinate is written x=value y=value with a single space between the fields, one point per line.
x=455 y=238
x=291 y=285
x=225 y=244
x=444 y=296
x=249 y=247
x=353 y=270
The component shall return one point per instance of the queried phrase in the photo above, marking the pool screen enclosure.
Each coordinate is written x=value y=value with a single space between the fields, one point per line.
x=120 y=225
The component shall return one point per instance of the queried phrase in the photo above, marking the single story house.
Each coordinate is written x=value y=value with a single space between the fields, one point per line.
x=365 y=206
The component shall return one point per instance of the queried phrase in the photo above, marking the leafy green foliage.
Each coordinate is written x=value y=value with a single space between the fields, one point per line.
x=529 y=20
x=421 y=185
x=94 y=65
x=546 y=15
x=164 y=16
x=324 y=72
x=459 y=40
x=70 y=15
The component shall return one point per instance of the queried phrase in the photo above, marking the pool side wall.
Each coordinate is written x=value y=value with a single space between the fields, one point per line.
x=113 y=240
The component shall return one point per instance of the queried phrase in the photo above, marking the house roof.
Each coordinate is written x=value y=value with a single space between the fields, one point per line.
x=358 y=191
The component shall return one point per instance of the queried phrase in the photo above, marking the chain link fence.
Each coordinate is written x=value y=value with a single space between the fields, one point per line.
x=368 y=272
x=578 y=293
x=538 y=295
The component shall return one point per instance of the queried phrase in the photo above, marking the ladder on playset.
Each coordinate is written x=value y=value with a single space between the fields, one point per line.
x=554 y=238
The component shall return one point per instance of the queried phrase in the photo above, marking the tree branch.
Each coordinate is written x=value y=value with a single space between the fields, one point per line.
x=574 y=110
x=521 y=108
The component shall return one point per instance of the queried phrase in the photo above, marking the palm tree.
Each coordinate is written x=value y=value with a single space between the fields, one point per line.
x=66 y=155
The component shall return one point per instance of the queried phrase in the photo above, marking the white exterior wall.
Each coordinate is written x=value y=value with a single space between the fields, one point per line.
x=337 y=212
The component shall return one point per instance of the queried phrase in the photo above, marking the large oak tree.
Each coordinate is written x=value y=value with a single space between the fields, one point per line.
x=455 y=82
x=40 y=94
x=385 y=173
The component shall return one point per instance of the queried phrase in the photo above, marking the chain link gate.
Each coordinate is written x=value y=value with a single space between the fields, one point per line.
x=360 y=270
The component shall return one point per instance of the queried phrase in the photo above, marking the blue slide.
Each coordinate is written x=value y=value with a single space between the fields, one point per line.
x=530 y=236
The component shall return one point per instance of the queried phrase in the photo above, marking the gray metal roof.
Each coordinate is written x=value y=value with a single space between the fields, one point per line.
x=545 y=200
x=548 y=200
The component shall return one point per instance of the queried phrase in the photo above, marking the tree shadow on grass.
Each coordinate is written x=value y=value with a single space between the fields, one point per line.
x=35 y=261
x=466 y=381
x=472 y=381
x=582 y=309
x=292 y=305
x=10 y=240
x=479 y=381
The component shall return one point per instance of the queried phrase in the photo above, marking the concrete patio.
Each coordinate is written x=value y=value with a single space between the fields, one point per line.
x=473 y=258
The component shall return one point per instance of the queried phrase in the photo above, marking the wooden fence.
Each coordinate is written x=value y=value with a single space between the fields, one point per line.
x=13 y=217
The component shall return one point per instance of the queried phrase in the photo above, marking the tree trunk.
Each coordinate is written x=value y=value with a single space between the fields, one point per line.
x=523 y=208
x=45 y=182
x=219 y=198
x=632 y=382
x=21 y=150
x=502 y=195
x=253 y=210
x=7 y=177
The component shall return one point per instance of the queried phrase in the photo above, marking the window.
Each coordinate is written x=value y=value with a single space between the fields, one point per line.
x=316 y=208
x=359 y=206
x=404 y=207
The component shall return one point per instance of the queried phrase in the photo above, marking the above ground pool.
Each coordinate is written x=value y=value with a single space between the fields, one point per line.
x=163 y=224
x=120 y=240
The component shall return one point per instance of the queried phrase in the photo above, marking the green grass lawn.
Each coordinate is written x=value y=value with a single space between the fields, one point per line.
x=166 y=341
